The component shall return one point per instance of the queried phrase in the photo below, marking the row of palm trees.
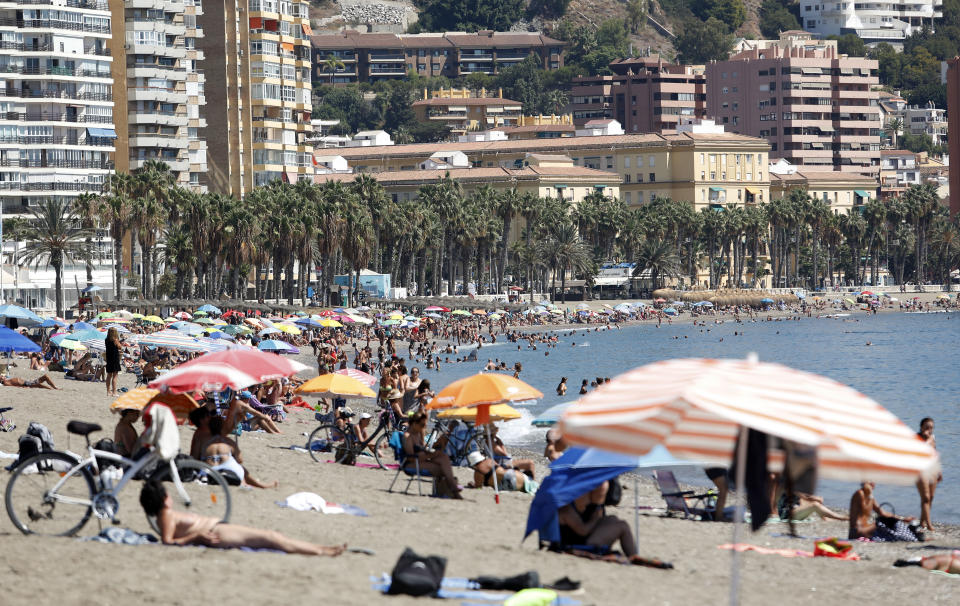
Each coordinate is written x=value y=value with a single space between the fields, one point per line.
x=285 y=237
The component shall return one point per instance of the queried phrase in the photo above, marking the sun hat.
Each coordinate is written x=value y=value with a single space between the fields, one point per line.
x=474 y=458
x=365 y=415
x=395 y=394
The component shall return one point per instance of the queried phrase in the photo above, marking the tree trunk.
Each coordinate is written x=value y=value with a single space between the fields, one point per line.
x=118 y=266
x=58 y=284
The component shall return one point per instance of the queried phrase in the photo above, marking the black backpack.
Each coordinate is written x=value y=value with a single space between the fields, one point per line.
x=37 y=439
x=417 y=575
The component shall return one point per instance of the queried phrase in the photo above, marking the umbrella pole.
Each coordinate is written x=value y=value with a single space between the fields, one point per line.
x=636 y=509
x=740 y=472
x=496 y=487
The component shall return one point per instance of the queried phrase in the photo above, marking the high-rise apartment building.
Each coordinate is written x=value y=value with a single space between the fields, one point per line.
x=645 y=95
x=257 y=57
x=56 y=101
x=158 y=112
x=873 y=22
x=816 y=107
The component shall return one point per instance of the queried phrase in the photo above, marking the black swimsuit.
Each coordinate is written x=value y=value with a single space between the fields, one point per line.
x=567 y=534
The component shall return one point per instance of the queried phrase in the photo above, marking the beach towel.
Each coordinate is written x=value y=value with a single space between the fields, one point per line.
x=122 y=536
x=367 y=465
x=459 y=588
x=309 y=501
x=787 y=553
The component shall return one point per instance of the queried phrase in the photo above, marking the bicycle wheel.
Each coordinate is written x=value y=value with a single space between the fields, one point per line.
x=382 y=451
x=205 y=492
x=325 y=442
x=33 y=505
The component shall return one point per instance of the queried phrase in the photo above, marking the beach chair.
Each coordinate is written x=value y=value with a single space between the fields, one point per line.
x=704 y=504
x=410 y=466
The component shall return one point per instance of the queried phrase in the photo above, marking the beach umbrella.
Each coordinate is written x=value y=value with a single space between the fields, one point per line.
x=136 y=317
x=461 y=312
x=24 y=317
x=336 y=385
x=13 y=341
x=705 y=304
x=290 y=329
x=326 y=313
x=670 y=311
x=91 y=288
x=210 y=309
x=583 y=306
x=199 y=313
x=498 y=412
x=78 y=326
x=766 y=300
x=123 y=330
x=483 y=391
x=623 y=307
x=434 y=315
x=104 y=314
x=550 y=416
x=436 y=308
x=359 y=375
x=308 y=322
x=263 y=366
x=153 y=319
x=697 y=409
x=277 y=346
x=389 y=322
x=52 y=323
x=270 y=330
x=943 y=296
x=141 y=397
x=203 y=377
x=182 y=315
x=849 y=300
x=361 y=320
x=173 y=339
x=236 y=329
x=71 y=345
x=204 y=321
x=123 y=314
x=867 y=293
x=221 y=335
x=330 y=323
x=580 y=470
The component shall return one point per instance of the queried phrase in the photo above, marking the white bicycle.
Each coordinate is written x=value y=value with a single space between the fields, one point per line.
x=53 y=493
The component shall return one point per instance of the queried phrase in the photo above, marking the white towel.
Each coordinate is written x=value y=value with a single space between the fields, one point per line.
x=310 y=501
x=162 y=433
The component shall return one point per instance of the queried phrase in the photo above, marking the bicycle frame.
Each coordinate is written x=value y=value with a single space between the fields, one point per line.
x=133 y=468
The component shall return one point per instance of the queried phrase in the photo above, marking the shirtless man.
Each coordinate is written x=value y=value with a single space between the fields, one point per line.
x=41 y=382
x=555 y=445
x=184 y=528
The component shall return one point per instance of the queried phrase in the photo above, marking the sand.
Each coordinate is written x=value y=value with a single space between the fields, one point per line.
x=476 y=535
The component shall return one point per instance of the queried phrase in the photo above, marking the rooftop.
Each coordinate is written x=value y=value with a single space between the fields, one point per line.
x=445 y=101
x=467 y=175
x=557 y=145
x=826 y=175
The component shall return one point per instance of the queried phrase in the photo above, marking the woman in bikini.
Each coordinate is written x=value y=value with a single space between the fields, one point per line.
x=434 y=461
x=584 y=522
x=183 y=528
x=927 y=488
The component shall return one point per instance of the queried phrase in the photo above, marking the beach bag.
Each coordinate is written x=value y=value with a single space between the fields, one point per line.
x=417 y=575
x=28 y=446
x=40 y=430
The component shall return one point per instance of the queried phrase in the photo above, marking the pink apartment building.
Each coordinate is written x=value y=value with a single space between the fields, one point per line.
x=817 y=108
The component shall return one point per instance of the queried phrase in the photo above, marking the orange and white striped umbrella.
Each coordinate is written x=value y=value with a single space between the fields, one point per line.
x=695 y=406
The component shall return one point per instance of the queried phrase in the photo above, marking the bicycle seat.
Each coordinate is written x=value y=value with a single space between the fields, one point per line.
x=82 y=429
x=3 y=410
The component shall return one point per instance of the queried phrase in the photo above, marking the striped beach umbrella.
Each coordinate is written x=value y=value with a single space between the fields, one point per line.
x=177 y=340
x=359 y=375
x=694 y=407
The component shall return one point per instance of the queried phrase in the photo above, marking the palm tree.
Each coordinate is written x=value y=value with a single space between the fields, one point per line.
x=86 y=207
x=55 y=235
x=556 y=100
x=893 y=127
x=660 y=258
x=115 y=210
x=565 y=251
x=333 y=64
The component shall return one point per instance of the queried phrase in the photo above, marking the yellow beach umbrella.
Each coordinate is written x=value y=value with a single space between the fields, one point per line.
x=498 y=412
x=331 y=385
x=396 y=316
x=153 y=319
x=328 y=323
x=287 y=328
x=72 y=345
x=136 y=317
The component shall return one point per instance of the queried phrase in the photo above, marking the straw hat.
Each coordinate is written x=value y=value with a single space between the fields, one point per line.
x=395 y=394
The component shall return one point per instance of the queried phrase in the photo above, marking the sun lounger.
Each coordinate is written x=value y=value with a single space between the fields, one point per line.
x=410 y=466
x=704 y=504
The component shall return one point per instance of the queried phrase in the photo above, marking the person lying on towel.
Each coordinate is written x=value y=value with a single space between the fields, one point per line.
x=184 y=528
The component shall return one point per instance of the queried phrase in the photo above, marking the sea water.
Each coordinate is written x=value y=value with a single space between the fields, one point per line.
x=909 y=367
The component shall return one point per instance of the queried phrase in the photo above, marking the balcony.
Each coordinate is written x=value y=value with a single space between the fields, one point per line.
x=53 y=71
x=54 y=94
x=100 y=5
x=388 y=71
x=25 y=163
x=158 y=141
x=380 y=57
x=51 y=187
x=476 y=57
x=55 y=117
x=55 y=24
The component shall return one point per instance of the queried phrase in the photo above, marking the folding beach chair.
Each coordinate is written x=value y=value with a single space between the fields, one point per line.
x=410 y=466
x=704 y=504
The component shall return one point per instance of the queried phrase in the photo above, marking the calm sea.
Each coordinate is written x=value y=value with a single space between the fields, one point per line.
x=910 y=368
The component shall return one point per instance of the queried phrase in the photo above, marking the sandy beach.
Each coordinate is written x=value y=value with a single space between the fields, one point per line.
x=476 y=535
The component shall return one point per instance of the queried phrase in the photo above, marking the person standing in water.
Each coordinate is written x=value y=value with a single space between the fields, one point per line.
x=927 y=488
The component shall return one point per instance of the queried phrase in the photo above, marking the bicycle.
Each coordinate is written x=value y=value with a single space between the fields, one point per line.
x=55 y=493
x=341 y=440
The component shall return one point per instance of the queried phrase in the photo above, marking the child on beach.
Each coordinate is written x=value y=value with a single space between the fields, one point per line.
x=183 y=528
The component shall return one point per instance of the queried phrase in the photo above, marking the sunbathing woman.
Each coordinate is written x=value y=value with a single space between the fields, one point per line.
x=183 y=528
x=801 y=506
x=239 y=411
x=223 y=454
x=507 y=479
x=41 y=382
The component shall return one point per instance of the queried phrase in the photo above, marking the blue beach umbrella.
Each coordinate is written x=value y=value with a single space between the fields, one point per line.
x=270 y=330
x=767 y=300
x=210 y=309
x=670 y=311
x=24 y=317
x=579 y=471
x=221 y=335
x=308 y=322
x=78 y=326
x=277 y=346
x=11 y=340
x=550 y=416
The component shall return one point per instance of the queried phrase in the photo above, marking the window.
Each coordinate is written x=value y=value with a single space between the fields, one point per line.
x=653 y=162
x=626 y=178
x=626 y=162
x=639 y=197
x=653 y=177
x=626 y=198
x=639 y=161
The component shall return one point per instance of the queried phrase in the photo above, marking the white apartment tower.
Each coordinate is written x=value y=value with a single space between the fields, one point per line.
x=873 y=21
x=158 y=114
x=56 y=101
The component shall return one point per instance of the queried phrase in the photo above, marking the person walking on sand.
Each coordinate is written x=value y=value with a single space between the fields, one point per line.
x=927 y=488
x=112 y=355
